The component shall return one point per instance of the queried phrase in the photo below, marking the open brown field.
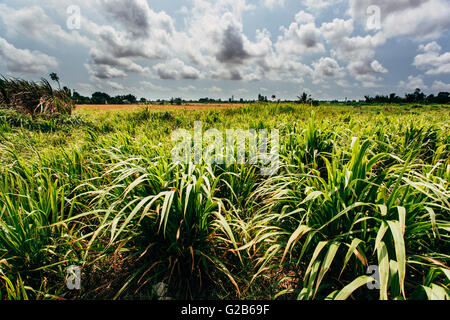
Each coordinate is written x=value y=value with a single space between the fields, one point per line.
x=187 y=106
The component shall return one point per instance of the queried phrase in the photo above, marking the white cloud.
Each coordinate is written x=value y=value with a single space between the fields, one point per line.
x=273 y=3
x=85 y=87
x=419 y=18
x=431 y=59
x=413 y=83
x=148 y=85
x=137 y=32
x=32 y=22
x=358 y=51
x=326 y=68
x=301 y=37
x=315 y=5
x=104 y=71
x=440 y=86
x=115 y=85
x=24 y=61
x=175 y=69
x=105 y=66
x=214 y=89
x=303 y=17
x=343 y=83
x=209 y=40
x=187 y=88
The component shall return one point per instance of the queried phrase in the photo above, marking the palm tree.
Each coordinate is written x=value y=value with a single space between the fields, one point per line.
x=55 y=78
x=304 y=98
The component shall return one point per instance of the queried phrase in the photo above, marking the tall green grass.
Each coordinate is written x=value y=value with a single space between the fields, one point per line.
x=356 y=188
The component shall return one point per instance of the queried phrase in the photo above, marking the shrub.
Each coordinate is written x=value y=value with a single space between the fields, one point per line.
x=32 y=98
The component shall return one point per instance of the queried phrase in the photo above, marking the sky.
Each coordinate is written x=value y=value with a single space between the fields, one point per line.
x=157 y=49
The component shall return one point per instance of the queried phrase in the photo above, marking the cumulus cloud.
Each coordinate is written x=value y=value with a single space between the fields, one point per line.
x=301 y=37
x=115 y=85
x=127 y=37
x=106 y=66
x=377 y=67
x=134 y=16
x=431 y=60
x=225 y=74
x=32 y=22
x=103 y=58
x=440 y=86
x=419 y=18
x=358 y=51
x=413 y=83
x=25 y=61
x=175 y=69
x=222 y=46
x=326 y=68
x=315 y=5
x=138 y=33
x=149 y=85
x=104 y=71
x=232 y=47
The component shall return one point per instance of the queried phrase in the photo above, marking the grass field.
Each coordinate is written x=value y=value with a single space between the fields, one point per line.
x=358 y=188
x=184 y=106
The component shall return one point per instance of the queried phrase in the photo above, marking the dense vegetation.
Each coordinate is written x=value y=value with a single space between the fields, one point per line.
x=358 y=186
x=416 y=97
x=104 y=98
x=35 y=98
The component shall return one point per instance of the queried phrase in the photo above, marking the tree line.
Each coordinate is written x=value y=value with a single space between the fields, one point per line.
x=104 y=98
x=416 y=97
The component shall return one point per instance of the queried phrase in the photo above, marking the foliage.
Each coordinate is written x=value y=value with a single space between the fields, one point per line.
x=416 y=97
x=357 y=187
x=32 y=98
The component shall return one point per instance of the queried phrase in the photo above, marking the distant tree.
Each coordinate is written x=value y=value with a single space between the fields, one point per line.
x=304 y=98
x=130 y=99
x=369 y=99
x=100 y=98
x=393 y=98
x=79 y=99
x=419 y=96
x=262 y=98
x=430 y=99
x=443 y=97
x=55 y=78
x=415 y=97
